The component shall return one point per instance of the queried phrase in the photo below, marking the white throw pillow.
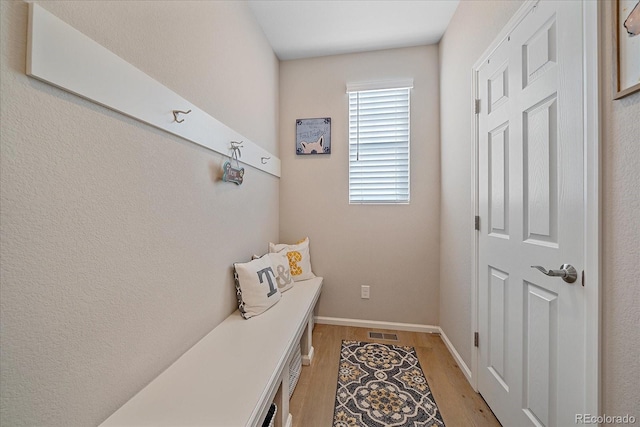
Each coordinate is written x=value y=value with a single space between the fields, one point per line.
x=256 y=286
x=299 y=258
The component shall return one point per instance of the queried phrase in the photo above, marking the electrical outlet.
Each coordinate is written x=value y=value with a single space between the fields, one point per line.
x=364 y=291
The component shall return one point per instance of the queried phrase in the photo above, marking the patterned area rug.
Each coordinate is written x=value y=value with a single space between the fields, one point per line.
x=381 y=385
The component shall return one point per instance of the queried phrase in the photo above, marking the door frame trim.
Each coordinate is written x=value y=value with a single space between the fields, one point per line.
x=592 y=208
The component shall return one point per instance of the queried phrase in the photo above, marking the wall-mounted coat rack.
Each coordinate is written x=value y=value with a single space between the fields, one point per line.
x=64 y=57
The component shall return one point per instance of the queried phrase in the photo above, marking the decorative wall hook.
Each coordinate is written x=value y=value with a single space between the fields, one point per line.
x=175 y=115
x=263 y=160
x=230 y=173
x=236 y=146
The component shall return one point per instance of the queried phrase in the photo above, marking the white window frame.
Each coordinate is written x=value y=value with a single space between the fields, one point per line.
x=369 y=88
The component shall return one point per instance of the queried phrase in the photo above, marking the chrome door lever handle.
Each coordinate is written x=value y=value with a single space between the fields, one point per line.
x=567 y=272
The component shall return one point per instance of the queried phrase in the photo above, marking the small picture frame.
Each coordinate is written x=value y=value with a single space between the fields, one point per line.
x=313 y=136
x=626 y=47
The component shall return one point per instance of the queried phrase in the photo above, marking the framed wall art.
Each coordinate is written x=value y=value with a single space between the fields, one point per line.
x=313 y=136
x=626 y=47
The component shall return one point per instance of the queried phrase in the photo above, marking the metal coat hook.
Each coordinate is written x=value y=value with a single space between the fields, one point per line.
x=175 y=115
x=231 y=174
x=263 y=160
x=235 y=146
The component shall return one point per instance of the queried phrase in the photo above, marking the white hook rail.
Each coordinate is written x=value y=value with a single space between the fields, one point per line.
x=64 y=57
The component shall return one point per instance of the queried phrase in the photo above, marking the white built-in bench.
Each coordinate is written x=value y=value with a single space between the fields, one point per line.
x=231 y=376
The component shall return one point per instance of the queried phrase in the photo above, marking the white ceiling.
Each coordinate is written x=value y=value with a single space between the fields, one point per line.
x=307 y=28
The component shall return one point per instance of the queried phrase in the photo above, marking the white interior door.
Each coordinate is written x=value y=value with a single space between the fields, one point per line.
x=531 y=352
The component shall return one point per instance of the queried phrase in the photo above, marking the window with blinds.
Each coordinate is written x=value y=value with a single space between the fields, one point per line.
x=379 y=144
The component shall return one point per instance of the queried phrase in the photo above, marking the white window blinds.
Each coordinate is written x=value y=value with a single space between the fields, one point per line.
x=379 y=145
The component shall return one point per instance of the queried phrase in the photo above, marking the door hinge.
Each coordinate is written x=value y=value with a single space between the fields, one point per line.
x=477 y=106
x=477 y=223
x=475 y=339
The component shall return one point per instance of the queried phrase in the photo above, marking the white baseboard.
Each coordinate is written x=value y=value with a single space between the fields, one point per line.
x=411 y=327
x=289 y=421
x=456 y=356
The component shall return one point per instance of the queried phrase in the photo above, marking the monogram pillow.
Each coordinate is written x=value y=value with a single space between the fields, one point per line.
x=256 y=286
x=298 y=257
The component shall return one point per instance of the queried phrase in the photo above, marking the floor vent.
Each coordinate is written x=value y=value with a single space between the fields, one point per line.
x=383 y=336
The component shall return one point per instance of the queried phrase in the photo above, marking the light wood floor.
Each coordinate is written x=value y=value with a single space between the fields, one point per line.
x=312 y=403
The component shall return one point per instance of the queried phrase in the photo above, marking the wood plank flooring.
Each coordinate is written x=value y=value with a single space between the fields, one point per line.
x=312 y=403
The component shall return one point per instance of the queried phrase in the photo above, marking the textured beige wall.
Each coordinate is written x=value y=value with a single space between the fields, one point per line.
x=620 y=189
x=116 y=242
x=394 y=249
x=620 y=183
x=472 y=28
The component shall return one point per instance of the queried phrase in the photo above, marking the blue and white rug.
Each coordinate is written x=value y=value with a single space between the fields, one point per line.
x=381 y=385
